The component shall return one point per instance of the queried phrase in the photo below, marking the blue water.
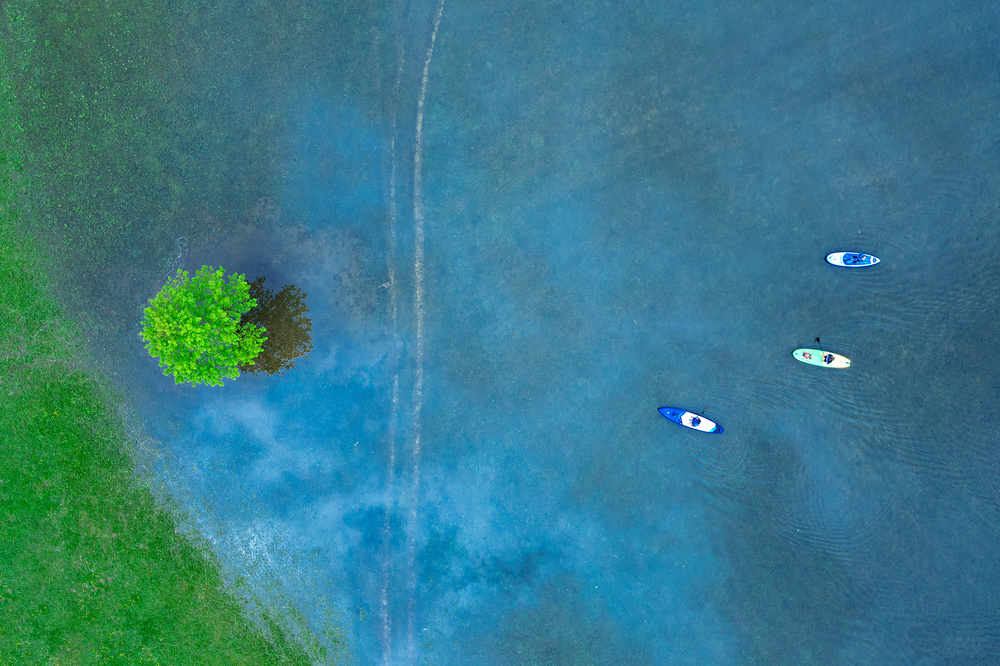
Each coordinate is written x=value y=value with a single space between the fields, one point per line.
x=606 y=209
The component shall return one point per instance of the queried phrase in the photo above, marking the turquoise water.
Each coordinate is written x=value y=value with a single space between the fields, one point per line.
x=519 y=244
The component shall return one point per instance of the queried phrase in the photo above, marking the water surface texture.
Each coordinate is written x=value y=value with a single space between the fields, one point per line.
x=524 y=226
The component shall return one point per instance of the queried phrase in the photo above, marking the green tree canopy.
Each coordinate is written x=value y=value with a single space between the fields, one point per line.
x=193 y=326
x=283 y=316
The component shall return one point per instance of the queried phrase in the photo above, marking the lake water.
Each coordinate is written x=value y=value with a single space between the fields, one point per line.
x=524 y=226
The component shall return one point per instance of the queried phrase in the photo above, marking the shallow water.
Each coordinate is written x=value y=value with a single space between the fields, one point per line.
x=520 y=244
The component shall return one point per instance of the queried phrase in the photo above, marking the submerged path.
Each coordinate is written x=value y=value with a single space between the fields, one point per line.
x=418 y=306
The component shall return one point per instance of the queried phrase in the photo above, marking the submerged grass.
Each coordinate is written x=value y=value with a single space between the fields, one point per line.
x=92 y=568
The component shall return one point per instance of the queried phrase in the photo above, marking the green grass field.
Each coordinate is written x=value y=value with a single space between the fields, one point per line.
x=92 y=570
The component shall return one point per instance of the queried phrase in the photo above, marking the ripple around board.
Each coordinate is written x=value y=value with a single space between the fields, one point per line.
x=879 y=334
x=807 y=516
x=850 y=396
x=886 y=237
x=949 y=191
x=859 y=401
x=977 y=233
x=894 y=435
x=965 y=638
x=810 y=520
x=771 y=397
x=869 y=644
x=915 y=263
x=977 y=440
x=905 y=320
x=724 y=461
x=892 y=350
x=810 y=516
x=863 y=644
x=729 y=462
x=984 y=489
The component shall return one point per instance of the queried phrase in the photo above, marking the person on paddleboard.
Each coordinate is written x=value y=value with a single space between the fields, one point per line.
x=828 y=358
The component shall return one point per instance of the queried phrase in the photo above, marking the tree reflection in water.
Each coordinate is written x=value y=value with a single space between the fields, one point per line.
x=283 y=315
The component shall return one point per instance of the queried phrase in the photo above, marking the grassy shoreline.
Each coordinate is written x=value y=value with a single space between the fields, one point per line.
x=92 y=569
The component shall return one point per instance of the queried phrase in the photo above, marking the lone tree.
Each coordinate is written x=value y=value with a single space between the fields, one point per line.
x=193 y=326
x=283 y=316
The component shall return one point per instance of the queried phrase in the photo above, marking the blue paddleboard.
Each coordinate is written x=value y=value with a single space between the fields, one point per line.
x=690 y=419
x=852 y=259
